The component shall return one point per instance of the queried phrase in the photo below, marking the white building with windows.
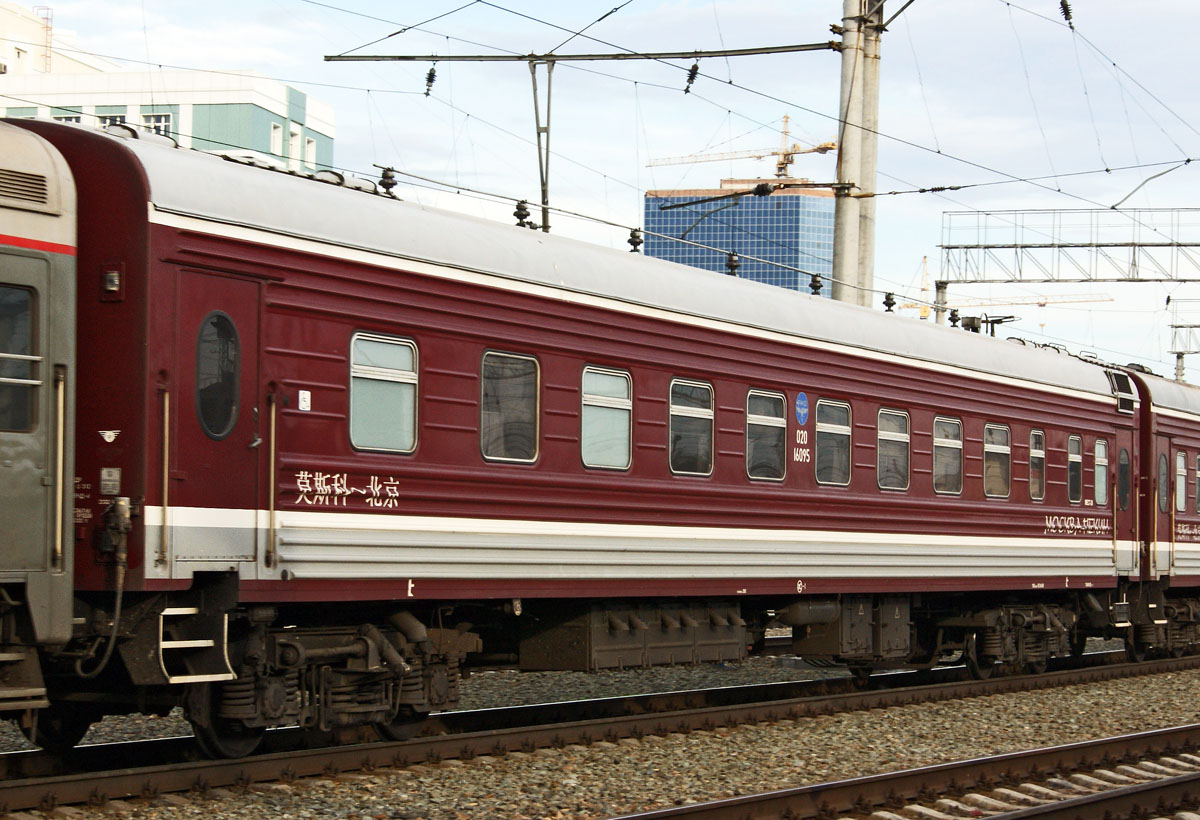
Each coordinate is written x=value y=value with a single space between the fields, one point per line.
x=206 y=110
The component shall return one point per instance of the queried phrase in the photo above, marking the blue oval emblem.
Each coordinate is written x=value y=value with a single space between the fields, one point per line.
x=802 y=408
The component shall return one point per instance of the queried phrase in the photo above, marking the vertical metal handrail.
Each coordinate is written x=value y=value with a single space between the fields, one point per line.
x=60 y=435
x=271 y=523
x=166 y=476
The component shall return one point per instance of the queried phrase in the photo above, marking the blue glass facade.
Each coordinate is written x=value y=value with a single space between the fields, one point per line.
x=794 y=228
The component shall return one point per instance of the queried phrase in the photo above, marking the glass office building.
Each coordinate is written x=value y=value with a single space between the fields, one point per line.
x=791 y=226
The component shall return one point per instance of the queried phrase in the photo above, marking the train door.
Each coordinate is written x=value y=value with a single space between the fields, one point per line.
x=1162 y=530
x=31 y=421
x=216 y=420
x=1125 y=537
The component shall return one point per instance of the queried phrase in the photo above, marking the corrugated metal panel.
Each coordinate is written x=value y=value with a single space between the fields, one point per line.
x=23 y=186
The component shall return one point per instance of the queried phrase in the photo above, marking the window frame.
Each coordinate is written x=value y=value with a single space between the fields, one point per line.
x=537 y=407
x=780 y=421
x=836 y=429
x=36 y=362
x=906 y=437
x=235 y=409
x=951 y=444
x=595 y=400
x=1075 y=470
x=1005 y=449
x=1100 y=475
x=387 y=374
x=1180 y=481
x=1037 y=453
x=691 y=412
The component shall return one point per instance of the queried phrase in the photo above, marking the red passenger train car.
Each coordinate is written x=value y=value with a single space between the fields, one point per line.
x=329 y=446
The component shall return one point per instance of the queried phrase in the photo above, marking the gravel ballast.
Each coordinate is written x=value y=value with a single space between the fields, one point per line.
x=607 y=779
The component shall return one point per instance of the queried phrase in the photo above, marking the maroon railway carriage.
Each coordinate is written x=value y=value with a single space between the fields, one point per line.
x=330 y=444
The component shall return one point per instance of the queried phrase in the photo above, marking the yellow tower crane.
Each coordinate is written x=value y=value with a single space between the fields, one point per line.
x=784 y=152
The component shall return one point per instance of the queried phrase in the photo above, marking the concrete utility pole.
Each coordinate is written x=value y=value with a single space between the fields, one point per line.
x=854 y=218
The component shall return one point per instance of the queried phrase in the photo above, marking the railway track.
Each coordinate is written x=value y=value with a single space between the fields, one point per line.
x=1143 y=776
x=33 y=780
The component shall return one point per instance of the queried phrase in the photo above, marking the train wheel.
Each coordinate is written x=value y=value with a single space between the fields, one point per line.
x=406 y=726
x=1036 y=667
x=862 y=676
x=60 y=727
x=218 y=737
x=978 y=669
x=227 y=738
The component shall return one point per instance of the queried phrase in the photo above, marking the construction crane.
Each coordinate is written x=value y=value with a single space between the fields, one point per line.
x=784 y=152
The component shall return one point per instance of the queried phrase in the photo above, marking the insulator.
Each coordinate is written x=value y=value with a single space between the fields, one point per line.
x=1065 y=7
x=732 y=263
x=522 y=213
x=429 y=80
x=814 y=284
x=387 y=180
x=889 y=301
x=953 y=317
x=635 y=240
x=693 y=73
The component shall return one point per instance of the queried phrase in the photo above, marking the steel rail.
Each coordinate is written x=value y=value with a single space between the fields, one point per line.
x=498 y=731
x=866 y=794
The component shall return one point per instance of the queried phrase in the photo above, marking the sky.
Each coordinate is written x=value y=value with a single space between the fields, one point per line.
x=974 y=93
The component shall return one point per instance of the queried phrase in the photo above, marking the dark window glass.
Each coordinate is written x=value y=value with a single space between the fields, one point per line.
x=1074 y=469
x=1037 y=465
x=218 y=363
x=1123 y=478
x=766 y=431
x=891 y=454
x=947 y=456
x=691 y=428
x=18 y=364
x=997 y=454
x=1164 y=483
x=833 y=443
x=508 y=425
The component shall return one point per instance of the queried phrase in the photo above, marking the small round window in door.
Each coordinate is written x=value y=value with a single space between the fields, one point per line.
x=218 y=366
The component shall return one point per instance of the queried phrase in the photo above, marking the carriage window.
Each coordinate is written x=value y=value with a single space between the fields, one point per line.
x=833 y=443
x=947 y=456
x=1101 y=473
x=691 y=428
x=1074 y=469
x=218 y=366
x=766 y=434
x=1123 y=479
x=997 y=461
x=1180 y=481
x=1164 y=483
x=508 y=407
x=1037 y=465
x=891 y=450
x=18 y=364
x=606 y=426
x=383 y=393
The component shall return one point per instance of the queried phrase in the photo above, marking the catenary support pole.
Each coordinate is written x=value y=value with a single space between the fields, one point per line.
x=849 y=166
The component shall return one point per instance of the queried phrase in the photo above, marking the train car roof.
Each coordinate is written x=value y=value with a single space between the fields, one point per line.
x=234 y=193
x=1172 y=394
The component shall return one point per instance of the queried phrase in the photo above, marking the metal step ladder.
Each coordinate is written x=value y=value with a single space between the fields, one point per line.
x=192 y=647
x=21 y=685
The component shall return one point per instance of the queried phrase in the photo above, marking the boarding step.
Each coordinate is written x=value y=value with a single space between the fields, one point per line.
x=21 y=685
x=192 y=645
